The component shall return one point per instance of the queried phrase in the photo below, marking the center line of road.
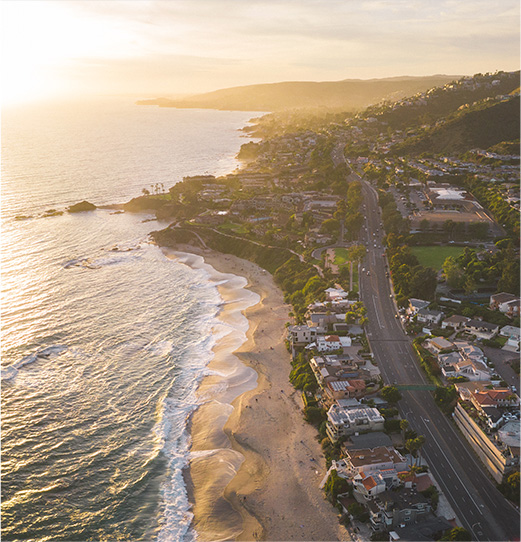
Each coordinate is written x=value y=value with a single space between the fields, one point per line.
x=376 y=311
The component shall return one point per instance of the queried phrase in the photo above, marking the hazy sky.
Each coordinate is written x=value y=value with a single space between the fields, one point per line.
x=167 y=47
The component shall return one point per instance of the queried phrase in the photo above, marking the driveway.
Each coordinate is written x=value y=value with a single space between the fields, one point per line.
x=500 y=359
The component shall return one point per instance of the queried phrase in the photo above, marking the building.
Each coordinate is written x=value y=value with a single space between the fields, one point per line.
x=342 y=422
x=505 y=303
x=481 y=329
x=429 y=317
x=512 y=333
x=438 y=344
x=330 y=343
x=344 y=389
x=415 y=305
x=301 y=335
x=395 y=508
x=455 y=322
x=499 y=461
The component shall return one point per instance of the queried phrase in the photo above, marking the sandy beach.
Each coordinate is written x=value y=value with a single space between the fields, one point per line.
x=256 y=464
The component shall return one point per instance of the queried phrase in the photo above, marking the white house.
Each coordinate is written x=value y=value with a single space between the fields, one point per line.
x=329 y=343
x=481 y=329
x=415 y=305
x=430 y=317
x=512 y=333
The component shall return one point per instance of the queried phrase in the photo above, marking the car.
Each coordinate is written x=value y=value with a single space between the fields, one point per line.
x=363 y=268
x=391 y=296
x=396 y=316
x=369 y=273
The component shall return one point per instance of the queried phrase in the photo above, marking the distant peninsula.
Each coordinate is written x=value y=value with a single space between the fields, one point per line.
x=346 y=95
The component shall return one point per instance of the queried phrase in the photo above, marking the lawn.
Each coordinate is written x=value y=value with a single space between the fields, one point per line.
x=435 y=256
x=230 y=227
x=341 y=256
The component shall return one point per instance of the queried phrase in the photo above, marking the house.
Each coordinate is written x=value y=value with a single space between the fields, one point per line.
x=512 y=333
x=494 y=398
x=455 y=322
x=395 y=508
x=368 y=486
x=506 y=303
x=329 y=343
x=371 y=460
x=342 y=422
x=471 y=352
x=438 y=344
x=481 y=329
x=430 y=317
x=344 y=389
x=468 y=368
x=335 y=294
x=301 y=335
x=425 y=531
x=415 y=305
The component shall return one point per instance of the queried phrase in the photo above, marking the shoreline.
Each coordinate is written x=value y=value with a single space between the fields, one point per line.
x=261 y=482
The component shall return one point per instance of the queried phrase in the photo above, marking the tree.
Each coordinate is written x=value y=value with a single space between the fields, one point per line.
x=391 y=394
x=424 y=224
x=356 y=253
x=145 y=192
x=335 y=485
x=404 y=425
x=458 y=533
x=330 y=225
x=453 y=273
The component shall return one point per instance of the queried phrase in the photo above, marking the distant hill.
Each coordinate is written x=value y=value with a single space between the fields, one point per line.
x=482 y=125
x=347 y=95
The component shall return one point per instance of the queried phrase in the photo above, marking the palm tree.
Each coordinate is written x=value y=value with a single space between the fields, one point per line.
x=404 y=425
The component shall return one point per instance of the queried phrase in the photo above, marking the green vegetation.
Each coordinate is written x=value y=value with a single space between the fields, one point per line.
x=511 y=487
x=434 y=256
x=359 y=512
x=433 y=494
x=410 y=279
x=479 y=126
x=427 y=361
x=302 y=376
x=335 y=485
x=391 y=394
x=458 y=533
x=341 y=256
x=446 y=398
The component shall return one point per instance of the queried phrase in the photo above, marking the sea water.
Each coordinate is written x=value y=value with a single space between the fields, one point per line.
x=104 y=339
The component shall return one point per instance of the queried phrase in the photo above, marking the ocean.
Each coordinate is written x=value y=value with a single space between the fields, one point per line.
x=104 y=337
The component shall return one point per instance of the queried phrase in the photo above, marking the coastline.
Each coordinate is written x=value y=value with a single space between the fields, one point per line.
x=255 y=463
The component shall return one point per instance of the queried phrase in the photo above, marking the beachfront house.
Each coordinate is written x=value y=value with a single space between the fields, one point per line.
x=342 y=422
x=330 y=343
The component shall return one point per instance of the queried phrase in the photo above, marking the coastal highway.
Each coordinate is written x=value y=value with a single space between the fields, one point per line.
x=480 y=507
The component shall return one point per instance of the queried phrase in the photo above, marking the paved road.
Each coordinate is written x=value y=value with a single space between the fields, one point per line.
x=477 y=503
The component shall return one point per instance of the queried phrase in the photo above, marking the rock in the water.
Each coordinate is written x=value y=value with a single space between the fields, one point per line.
x=52 y=212
x=82 y=206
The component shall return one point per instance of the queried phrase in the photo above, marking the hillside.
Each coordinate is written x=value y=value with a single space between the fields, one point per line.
x=347 y=95
x=480 y=126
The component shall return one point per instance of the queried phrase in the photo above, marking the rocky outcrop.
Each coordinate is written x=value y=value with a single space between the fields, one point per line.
x=81 y=207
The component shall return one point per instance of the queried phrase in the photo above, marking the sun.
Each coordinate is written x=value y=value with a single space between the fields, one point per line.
x=42 y=41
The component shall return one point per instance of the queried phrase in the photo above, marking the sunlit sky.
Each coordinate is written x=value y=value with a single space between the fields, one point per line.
x=154 y=48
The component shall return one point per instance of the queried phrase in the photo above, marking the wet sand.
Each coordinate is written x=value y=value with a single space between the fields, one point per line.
x=255 y=464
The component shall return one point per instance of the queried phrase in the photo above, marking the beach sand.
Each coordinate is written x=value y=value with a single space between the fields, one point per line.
x=256 y=465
